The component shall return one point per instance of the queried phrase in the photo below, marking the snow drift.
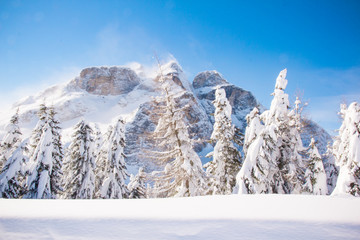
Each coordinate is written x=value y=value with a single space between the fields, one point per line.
x=210 y=217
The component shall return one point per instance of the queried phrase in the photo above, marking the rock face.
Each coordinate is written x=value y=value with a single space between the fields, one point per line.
x=242 y=101
x=208 y=79
x=107 y=81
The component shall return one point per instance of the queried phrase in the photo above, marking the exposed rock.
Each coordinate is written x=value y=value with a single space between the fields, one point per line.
x=242 y=101
x=208 y=79
x=138 y=136
x=107 y=81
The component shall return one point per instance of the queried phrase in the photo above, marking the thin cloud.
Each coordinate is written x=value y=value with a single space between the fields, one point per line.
x=58 y=76
x=324 y=110
x=332 y=81
x=117 y=45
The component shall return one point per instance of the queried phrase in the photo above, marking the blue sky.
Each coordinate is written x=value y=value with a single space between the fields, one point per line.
x=249 y=42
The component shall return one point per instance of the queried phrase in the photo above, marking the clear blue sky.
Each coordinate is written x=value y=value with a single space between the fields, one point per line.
x=249 y=42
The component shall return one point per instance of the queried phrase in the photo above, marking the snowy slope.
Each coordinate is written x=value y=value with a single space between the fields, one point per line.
x=74 y=103
x=211 y=217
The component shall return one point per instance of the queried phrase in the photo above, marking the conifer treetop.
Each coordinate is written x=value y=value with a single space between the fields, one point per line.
x=280 y=104
x=346 y=150
x=281 y=81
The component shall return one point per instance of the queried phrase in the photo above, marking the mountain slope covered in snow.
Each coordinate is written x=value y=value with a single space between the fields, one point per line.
x=102 y=94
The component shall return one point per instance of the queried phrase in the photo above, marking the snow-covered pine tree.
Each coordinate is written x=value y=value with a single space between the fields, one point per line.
x=12 y=155
x=226 y=161
x=43 y=115
x=79 y=165
x=136 y=185
x=11 y=140
x=346 y=149
x=44 y=180
x=292 y=151
x=253 y=128
x=331 y=170
x=99 y=160
x=12 y=174
x=289 y=178
x=41 y=164
x=112 y=159
x=315 y=176
x=185 y=174
x=259 y=167
x=98 y=138
x=57 y=154
x=273 y=163
x=101 y=153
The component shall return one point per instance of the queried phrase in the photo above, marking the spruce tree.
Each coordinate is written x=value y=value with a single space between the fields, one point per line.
x=101 y=159
x=56 y=180
x=292 y=152
x=12 y=153
x=43 y=115
x=184 y=176
x=346 y=149
x=112 y=165
x=253 y=128
x=11 y=140
x=98 y=138
x=315 y=176
x=226 y=161
x=41 y=164
x=259 y=167
x=273 y=161
x=79 y=165
x=289 y=177
x=136 y=185
x=331 y=170
x=44 y=171
x=12 y=174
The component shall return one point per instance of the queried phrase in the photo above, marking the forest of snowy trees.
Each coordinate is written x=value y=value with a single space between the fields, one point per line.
x=271 y=158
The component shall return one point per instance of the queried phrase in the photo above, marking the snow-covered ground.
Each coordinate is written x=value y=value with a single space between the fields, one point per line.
x=211 y=217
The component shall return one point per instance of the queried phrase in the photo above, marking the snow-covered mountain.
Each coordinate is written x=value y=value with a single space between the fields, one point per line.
x=103 y=94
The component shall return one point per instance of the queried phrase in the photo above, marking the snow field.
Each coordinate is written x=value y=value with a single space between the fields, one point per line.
x=209 y=217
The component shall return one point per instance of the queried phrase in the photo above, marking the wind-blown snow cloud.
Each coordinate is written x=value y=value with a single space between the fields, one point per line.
x=118 y=45
x=57 y=76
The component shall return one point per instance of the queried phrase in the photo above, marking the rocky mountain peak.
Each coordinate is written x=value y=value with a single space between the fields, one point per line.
x=106 y=80
x=208 y=79
x=174 y=70
x=173 y=67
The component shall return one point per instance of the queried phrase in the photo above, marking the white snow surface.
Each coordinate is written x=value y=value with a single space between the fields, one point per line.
x=210 y=217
